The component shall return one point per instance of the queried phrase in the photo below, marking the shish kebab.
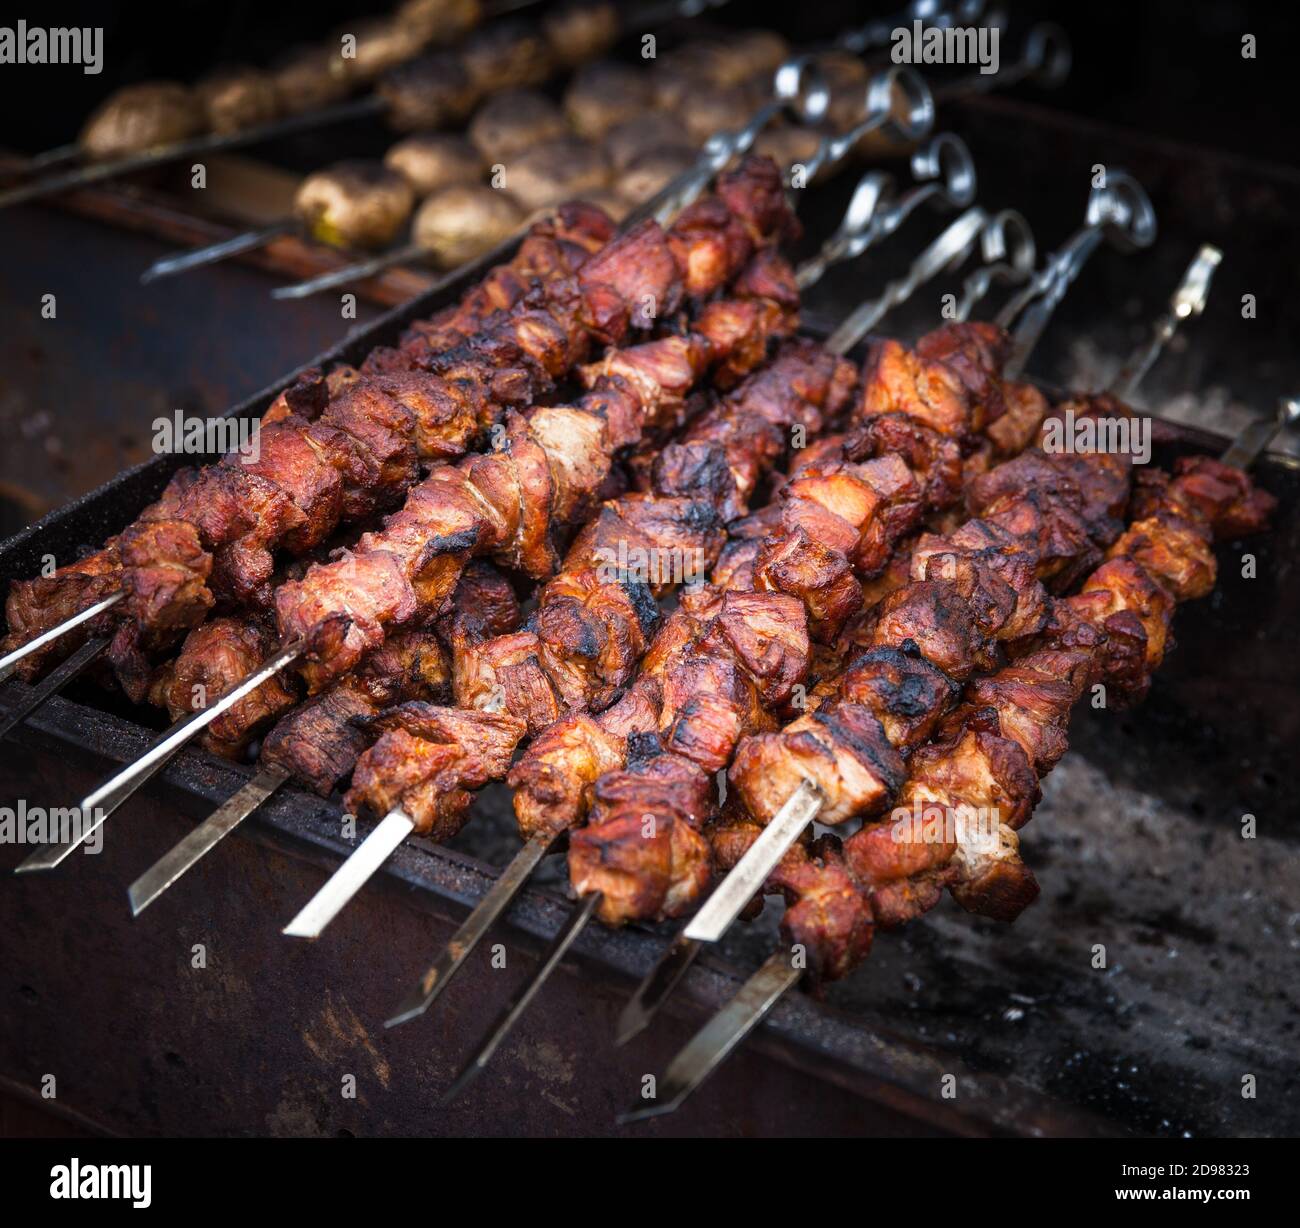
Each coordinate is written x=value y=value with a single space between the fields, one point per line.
x=644 y=856
x=318 y=743
x=359 y=204
x=758 y=653
x=989 y=755
x=550 y=779
x=574 y=596
x=413 y=93
x=1128 y=207
x=614 y=292
x=942 y=571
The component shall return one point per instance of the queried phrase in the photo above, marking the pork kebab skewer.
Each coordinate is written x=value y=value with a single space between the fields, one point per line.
x=317 y=744
x=643 y=855
x=550 y=779
x=330 y=451
x=658 y=984
x=617 y=292
x=155 y=123
x=974 y=592
x=948 y=158
x=975 y=783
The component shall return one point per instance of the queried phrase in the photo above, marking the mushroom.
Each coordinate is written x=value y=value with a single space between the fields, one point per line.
x=464 y=221
x=354 y=204
x=580 y=30
x=513 y=121
x=444 y=21
x=238 y=97
x=651 y=172
x=626 y=142
x=427 y=93
x=788 y=145
x=757 y=53
x=602 y=95
x=718 y=108
x=379 y=43
x=309 y=77
x=141 y=117
x=431 y=161
x=561 y=170
x=507 y=53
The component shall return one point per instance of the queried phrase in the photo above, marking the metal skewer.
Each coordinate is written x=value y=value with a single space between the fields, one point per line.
x=75 y=665
x=96 y=806
x=215 y=828
x=1045 y=59
x=10 y=661
x=1120 y=212
x=249 y=240
x=720 y=1036
x=97 y=172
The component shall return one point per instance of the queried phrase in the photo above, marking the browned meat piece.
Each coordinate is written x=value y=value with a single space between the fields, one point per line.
x=643 y=849
x=428 y=761
x=216 y=656
x=828 y=921
x=903 y=690
x=841 y=748
x=1207 y=491
x=320 y=741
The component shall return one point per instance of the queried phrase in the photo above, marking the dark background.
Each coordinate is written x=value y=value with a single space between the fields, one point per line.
x=1167 y=67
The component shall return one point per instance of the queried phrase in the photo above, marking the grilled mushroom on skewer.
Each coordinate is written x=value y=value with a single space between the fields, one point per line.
x=411 y=96
x=462 y=222
x=507 y=54
x=580 y=30
x=989 y=757
x=514 y=121
x=562 y=170
x=376 y=44
x=431 y=161
x=142 y=117
x=625 y=142
x=354 y=204
x=238 y=97
x=309 y=78
x=603 y=95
